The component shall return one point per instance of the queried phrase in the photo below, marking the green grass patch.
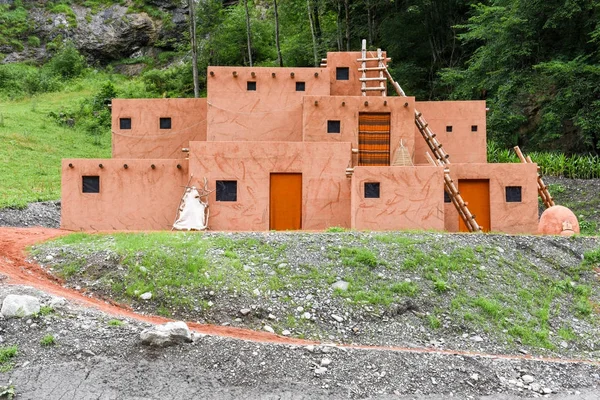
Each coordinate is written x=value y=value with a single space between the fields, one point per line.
x=7 y=353
x=115 y=323
x=48 y=340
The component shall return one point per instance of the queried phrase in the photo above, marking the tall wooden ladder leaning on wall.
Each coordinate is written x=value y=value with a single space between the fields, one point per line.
x=442 y=159
x=542 y=188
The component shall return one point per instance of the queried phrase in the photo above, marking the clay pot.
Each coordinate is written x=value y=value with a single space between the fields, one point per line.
x=558 y=220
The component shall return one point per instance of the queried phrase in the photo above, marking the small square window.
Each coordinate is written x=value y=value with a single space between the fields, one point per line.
x=251 y=86
x=333 y=127
x=125 y=123
x=447 y=197
x=342 y=73
x=513 y=194
x=300 y=86
x=448 y=128
x=165 y=123
x=91 y=184
x=473 y=128
x=226 y=190
x=371 y=190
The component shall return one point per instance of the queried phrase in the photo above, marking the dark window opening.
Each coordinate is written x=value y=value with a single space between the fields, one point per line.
x=513 y=194
x=473 y=128
x=300 y=86
x=165 y=123
x=125 y=123
x=91 y=184
x=448 y=128
x=333 y=127
x=251 y=86
x=371 y=190
x=447 y=197
x=226 y=190
x=342 y=73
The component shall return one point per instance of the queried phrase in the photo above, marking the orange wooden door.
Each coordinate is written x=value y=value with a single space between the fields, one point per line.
x=374 y=139
x=476 y=192
x=286 y=202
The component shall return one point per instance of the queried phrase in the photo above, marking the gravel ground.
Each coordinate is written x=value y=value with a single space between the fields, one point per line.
x=46 y=214
x=93 y=360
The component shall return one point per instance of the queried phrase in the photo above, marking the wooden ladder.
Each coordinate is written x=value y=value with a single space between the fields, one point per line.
x=442 y=158
x=542 y=188
x=381 y=80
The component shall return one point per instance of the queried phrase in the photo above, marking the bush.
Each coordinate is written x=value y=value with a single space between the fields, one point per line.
x=67 y=63
x=33 y=41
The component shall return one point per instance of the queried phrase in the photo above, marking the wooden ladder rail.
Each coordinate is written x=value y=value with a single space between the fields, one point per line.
x=382 y=79
x=455 y=197
x=541 y=186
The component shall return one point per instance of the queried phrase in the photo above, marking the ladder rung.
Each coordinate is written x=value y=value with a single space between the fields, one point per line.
x=372 y=79
x=323 y=60
x=374 y=59
x=371 y=69
x=373 y=88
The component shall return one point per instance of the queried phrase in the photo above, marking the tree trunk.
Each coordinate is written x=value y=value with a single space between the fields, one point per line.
x=194 y=47
x=279 y=58
x=347 y=7
x=248 y=35
x=339 y=26
x=369 y=26
x=315 y=10
x=312 y=31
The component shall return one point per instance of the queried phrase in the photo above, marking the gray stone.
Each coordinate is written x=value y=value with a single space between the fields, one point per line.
x=245 y=311
x=146 y=296
x=477 y=338
x=268 y=329
x=286 y=333
x=167 y=334
x=19 y=306
x=57 y=302
x=325 y=362
x=337 y=318
x=320 y=370
x=527 y=378
x=341 y=285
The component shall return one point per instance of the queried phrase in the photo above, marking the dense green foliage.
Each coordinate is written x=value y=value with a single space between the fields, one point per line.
x=534 y=61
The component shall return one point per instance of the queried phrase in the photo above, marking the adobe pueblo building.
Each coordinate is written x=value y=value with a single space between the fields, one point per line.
x=301 y=148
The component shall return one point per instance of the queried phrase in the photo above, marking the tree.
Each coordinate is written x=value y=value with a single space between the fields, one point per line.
x=248 y=32
x=279 y=58
x=194 y=47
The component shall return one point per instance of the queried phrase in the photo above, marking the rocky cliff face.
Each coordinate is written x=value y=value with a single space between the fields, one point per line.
x=111 y=33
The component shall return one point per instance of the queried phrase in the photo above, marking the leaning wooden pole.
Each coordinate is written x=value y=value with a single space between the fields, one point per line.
x=542 y=187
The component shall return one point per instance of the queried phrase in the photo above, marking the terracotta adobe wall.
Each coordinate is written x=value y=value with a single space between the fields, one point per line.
x=462 y=144
x=409 y=198
x=505 y=217
x=145 y=139
x=273 y=112
x=350 y=87
x=315 y=118
x=325 y=187
x=135 y=198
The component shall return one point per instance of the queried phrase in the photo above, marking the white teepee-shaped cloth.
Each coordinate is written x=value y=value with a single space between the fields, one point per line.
x=193 y=212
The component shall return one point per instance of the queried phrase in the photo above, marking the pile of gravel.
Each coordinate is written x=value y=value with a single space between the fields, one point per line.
x=93 y=357
x=45 y=214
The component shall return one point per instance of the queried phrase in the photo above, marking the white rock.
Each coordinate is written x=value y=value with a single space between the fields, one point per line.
x=57 y=302
x=341 y=285
x=320 y=370
x=325 y=362
x=286 y=333
x=143 y=269
x=306 y=315
x=300 y=309
x=477 y=338
x=245 y=311
x=268 y=329
x=167 y=334
x=475 y=377
x=536 y=387
x=337 y=318
x=546 y=390
x=146 y=296
x=564 y=344
x=210 y=304
x=271 y=316
x=527 y=378
x=49 y=258
x=256 y=292
x=19 y=306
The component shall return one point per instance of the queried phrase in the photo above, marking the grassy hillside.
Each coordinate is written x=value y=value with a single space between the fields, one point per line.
x=402 y=287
